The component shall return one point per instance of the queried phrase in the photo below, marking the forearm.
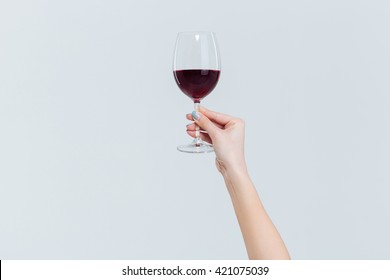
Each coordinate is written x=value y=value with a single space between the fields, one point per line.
x=261 y=238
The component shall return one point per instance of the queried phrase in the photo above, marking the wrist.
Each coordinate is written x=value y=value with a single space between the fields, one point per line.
x=232 y=168
x=237 y=179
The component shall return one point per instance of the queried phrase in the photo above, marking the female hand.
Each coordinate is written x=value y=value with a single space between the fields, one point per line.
x=226 y=133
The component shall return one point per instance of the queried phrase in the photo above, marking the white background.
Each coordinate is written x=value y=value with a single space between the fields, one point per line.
x=90 y=117
x=195 y=269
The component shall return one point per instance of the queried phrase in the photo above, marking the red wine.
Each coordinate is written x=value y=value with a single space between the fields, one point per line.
x=196 y=83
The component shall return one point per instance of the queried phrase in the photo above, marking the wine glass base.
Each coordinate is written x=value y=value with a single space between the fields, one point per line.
x=196 y=148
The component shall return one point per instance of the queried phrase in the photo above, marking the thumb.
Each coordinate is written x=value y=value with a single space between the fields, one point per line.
x=205 y=123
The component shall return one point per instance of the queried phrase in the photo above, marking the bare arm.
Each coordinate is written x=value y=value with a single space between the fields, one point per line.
x=262 y=240
x=261 y=237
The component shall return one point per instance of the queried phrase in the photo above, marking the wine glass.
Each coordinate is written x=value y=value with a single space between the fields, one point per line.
x=196 y=68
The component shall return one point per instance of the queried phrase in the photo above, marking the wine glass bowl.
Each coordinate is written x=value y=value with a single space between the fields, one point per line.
x=196 y=83
x=196 y=69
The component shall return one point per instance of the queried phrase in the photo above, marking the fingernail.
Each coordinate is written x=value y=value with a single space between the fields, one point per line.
x=196 y=115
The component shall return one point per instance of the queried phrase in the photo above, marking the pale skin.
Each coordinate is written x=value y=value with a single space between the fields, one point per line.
x=226 y=133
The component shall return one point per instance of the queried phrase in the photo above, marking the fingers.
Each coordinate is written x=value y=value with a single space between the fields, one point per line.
x=192 y=127
x=191 y=130
x=208 y=120
x=205 y=123
x=189 y=117
x=203 y=135
x=216 y=117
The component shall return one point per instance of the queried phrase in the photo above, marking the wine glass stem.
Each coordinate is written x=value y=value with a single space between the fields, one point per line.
x=197 y=139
